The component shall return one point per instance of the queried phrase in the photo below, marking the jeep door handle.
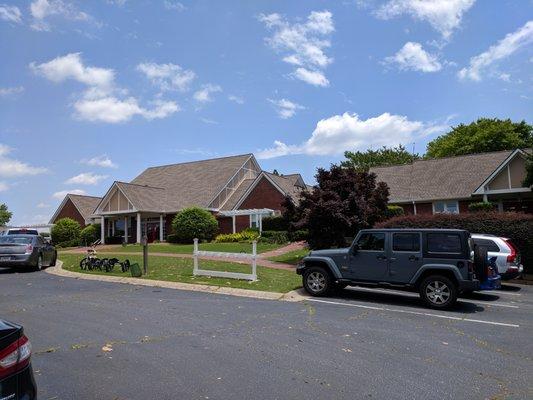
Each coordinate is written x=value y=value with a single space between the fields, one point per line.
x=413 y=258
x=381 y=258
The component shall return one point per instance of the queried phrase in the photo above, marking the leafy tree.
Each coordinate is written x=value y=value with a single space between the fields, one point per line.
x=344 y=201
x=194 y=222
x=66 y=232
x=90 y=234
x=5 y=215
x=481 y=136
x=364 y=160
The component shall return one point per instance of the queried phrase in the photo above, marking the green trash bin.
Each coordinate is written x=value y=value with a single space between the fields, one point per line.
x=135 y=270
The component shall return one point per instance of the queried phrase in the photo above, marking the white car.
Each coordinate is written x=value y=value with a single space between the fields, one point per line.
x=506 y=253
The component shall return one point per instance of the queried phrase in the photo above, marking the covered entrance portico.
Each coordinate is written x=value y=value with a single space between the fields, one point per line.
x=255 y=217
x=131 y=227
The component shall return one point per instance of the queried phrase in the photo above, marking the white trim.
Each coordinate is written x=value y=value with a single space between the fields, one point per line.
x=108 y=195
x=504 y=191
x=252 y=157
x=509 y=176
x=445 y=206
x=67 y=197
x=161 y=222
x=102 y=230
x=481 y=188
x=253 y=186
x=138 y=218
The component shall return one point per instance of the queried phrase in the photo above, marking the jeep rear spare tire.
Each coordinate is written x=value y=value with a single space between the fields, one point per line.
x=317 y=281
x=438 y=292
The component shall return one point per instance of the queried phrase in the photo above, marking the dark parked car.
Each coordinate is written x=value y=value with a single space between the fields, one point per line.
x=16 y=374
x=26 y=251
x=438 y=263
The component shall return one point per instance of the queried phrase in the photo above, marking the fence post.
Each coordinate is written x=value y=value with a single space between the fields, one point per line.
x=195 y=257
x=254 y=263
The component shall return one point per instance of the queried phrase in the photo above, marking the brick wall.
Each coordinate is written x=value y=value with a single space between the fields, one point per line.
x=424 y=208
x=69 y=210
x=264 y=195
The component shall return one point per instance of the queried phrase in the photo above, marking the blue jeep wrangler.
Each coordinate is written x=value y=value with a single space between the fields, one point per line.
x=438 y=263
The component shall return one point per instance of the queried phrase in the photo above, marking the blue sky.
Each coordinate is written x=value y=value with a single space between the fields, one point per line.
x=92 y=92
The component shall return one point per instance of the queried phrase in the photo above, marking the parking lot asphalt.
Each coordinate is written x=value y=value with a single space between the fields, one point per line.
x=98 y=340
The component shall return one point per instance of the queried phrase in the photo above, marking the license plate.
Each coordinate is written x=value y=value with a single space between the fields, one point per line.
x=5 y=258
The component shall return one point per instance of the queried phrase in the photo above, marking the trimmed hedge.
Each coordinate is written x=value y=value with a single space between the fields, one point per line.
x=66 y=233
x=244 y=236
x=394 y=211
x=276 y=223
x=481 y=206
x=299 y=235
x=90 y=234
x=516 y=226
x=194 y=222
x=278 y=237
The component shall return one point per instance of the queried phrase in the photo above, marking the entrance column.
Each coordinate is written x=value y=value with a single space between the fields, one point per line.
x=102 y=230
x=160 y=227
x=138 y=228
x=233 y=223
x=126 y=229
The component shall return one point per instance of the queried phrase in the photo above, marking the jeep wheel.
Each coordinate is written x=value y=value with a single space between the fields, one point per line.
x=317 y=281
x=438 y=292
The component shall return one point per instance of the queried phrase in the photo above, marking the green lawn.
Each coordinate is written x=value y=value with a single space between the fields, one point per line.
x=292 y=257
x=180 y=270
x=187 y=248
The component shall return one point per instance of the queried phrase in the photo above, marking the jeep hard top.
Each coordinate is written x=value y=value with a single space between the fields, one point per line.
x=438 y=263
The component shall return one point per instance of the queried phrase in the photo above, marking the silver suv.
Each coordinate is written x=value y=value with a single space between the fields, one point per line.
x=506 y=253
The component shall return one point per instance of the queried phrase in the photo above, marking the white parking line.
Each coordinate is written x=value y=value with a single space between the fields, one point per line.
x=415 y=313
x=505 y=293
x=408 y=294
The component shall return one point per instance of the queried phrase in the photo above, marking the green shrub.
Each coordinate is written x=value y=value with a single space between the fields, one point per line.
x=172 y=238
x=44 y=234
x=66 y=232
x=278 y=237
x=246 y=235
x=298 y=236
x=276 y=223
x=516 y=226
x=481 y=206
x=394 y=211
x=192 y=223
x=90 y=234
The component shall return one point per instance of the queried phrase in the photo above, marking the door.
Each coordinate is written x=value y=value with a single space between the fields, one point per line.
x=406 y=256
x=368 y=259
x=44 y=251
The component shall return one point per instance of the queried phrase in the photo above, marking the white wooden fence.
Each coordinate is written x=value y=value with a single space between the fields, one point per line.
x=197 y=254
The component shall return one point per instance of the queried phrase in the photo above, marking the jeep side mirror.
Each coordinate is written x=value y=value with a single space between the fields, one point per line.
x=355 y=248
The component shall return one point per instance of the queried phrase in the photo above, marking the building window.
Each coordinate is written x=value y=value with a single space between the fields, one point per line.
x=447 y=207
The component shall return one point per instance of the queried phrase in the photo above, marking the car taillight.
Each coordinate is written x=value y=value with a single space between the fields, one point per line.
x=15 y=357
x=511 y=258
x=29 y=249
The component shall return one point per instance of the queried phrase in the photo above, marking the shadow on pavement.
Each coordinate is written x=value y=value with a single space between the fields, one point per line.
x=510 y=288
x=400 y=299
x=7 y=270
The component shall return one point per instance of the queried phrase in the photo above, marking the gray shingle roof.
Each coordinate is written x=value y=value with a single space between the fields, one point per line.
x=237 y=194
x=186 y=184
x=84 y=204
x=144 y=198
x=441 y=178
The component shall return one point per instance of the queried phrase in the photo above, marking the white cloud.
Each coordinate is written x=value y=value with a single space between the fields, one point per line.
x=443 y=15
x=339 y=133
x=303 y=44
x=10 y=167
x=174 y=5
x=315 y=78
x=3 y=186
x=43 y=9
x=113 y=110
x=167 y=76
x=236 y=99
x=286 y=108
x=505 y=77
x=86 y=178
x=413 y=57
x=61 y=194
x=101 y=101
x=101 y=161
x=71 y=67
x=511 y=43
x=204 y=95
x=43 y=205
x=10 y=13
x=9 y=91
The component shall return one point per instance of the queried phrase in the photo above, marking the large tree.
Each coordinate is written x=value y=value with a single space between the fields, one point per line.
x=343 y=202
x=5 y=215
x=528 y=181
x=364 y=160
x=481 y=136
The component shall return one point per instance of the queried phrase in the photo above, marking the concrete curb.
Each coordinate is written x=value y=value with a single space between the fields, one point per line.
x=293 y=296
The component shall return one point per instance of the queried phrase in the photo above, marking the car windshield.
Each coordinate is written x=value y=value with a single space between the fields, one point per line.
x=15 y=240
x=23 y=232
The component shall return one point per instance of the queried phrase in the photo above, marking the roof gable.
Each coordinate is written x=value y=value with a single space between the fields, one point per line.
x=84 y=204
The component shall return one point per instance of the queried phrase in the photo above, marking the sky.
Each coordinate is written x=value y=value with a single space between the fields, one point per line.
x=93 y=92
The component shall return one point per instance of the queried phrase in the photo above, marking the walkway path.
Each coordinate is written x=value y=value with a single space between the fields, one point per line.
x=282 y=250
